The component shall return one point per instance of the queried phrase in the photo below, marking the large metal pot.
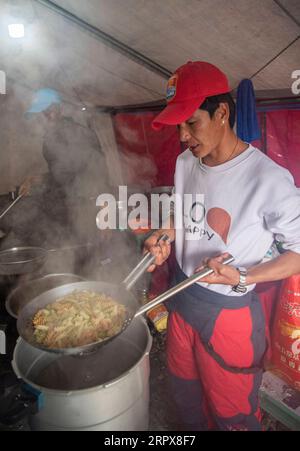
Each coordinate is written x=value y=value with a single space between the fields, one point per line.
x=25 y=292
x=105 y=391
x=21 y=260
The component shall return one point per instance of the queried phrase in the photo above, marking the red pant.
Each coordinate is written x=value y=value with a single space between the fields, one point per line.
x=202 y=386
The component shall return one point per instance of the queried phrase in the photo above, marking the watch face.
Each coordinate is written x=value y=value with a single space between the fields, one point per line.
x=239 y=289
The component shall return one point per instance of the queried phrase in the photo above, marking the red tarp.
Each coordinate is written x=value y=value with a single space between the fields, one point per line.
x=283 y=140
x=148 y=156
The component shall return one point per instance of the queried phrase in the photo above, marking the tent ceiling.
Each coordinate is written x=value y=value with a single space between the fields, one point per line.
x=292 y=7
x=242 y=37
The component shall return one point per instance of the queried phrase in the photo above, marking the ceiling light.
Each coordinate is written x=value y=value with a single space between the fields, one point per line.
x=16 y=30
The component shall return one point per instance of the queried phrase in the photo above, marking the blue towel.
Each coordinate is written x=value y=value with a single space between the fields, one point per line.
x=247 y=124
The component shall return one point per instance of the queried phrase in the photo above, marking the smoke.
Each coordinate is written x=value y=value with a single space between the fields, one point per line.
x=61 y=211
x=139 y=171
x=138 y=166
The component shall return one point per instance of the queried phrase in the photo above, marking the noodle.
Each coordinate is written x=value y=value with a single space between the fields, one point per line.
x=77 y=319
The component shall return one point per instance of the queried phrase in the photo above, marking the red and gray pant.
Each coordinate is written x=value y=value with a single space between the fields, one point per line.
x=215 y=348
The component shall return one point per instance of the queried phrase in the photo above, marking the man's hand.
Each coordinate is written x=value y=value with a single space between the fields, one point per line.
x=161 y=249
x=223 y=274
x=28 y=183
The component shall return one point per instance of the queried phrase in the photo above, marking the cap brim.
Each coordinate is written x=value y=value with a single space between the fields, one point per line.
x=41 y=106
x=176 y=112
x=38 y=108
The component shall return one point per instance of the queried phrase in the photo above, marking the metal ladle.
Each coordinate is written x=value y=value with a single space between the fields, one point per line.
x=10 y=206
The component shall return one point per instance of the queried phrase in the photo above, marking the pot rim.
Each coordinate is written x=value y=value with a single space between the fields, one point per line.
x=82 y=390
x=29 y=282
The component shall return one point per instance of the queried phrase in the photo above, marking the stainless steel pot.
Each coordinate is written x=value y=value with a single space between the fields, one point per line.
x=24 y=260
x=107 y=390
x=21 y=260
x=25 y=292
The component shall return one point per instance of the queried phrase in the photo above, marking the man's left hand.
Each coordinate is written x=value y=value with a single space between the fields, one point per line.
x=223 y=274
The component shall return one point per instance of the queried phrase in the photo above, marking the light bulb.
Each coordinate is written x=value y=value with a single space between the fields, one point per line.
x=16 y=30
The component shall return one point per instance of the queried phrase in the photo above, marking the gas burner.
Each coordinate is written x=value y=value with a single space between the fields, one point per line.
x=8 y=328
x=16 y=403
x=8 y=332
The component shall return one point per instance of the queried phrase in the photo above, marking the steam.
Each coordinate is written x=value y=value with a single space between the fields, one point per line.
x=139 y=170
x=138 y=166
x=77 y=162
x=91 y=370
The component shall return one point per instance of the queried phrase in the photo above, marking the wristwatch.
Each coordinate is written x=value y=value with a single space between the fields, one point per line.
x=241 y=286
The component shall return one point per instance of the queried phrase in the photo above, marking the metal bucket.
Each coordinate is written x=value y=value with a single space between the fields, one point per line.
x=107 y=390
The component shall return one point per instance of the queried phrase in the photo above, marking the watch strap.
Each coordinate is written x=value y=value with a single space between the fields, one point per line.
x=241 y=286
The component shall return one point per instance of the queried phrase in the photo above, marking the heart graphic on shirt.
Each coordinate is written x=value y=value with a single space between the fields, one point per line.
x=219 y=221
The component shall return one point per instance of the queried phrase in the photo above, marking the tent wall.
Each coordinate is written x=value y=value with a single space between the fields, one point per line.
x=148 y=157
x=283 y=140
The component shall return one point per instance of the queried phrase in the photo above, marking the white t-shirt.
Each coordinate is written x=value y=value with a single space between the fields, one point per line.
x=247 y=203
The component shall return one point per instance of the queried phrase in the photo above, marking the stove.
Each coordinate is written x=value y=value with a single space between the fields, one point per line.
x=8 y=328
x=15 y=403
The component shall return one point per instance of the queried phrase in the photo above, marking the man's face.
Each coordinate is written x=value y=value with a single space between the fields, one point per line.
x=201 y=133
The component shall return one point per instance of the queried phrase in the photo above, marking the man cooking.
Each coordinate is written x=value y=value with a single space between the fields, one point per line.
x=75 y=161
x=216 y=331
x=54 y=212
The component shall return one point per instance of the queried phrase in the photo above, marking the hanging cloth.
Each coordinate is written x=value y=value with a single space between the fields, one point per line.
x=247 y=124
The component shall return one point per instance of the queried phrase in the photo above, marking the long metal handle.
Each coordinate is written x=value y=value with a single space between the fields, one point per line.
x=141 y=267
x=10 y=206
x=180 y=287
x=71 y=248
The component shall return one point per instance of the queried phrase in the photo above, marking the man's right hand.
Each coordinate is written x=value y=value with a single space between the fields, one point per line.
x=161 y=249
x=28 y=183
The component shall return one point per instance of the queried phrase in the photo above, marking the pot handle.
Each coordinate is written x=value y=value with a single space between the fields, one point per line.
x=10 y=206
x=180 y=287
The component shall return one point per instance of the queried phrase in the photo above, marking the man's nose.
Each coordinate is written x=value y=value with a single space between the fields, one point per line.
x=184 y=134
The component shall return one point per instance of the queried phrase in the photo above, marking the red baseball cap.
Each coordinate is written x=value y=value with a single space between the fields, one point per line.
x=187 y=89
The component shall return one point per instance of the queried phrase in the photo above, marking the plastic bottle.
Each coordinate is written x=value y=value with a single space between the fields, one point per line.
x=158 y=315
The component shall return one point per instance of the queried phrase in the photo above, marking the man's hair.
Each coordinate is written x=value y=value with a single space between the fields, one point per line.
x=211 y=104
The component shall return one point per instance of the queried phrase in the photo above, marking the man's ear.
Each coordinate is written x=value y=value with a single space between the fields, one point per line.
x=222 y=112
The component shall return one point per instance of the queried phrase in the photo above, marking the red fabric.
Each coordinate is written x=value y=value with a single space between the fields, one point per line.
x=227 y=393
x=232 y=337
x=151 y=156
x=160 y=280
x=283 y=140
x=148 y=157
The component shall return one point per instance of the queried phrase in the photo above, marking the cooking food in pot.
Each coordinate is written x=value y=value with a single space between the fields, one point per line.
x=79 y=318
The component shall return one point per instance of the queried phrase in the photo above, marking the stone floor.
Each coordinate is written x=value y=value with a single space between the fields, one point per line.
x=162 y=414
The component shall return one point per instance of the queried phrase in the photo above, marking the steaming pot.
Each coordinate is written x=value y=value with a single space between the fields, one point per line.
x=106 y=390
